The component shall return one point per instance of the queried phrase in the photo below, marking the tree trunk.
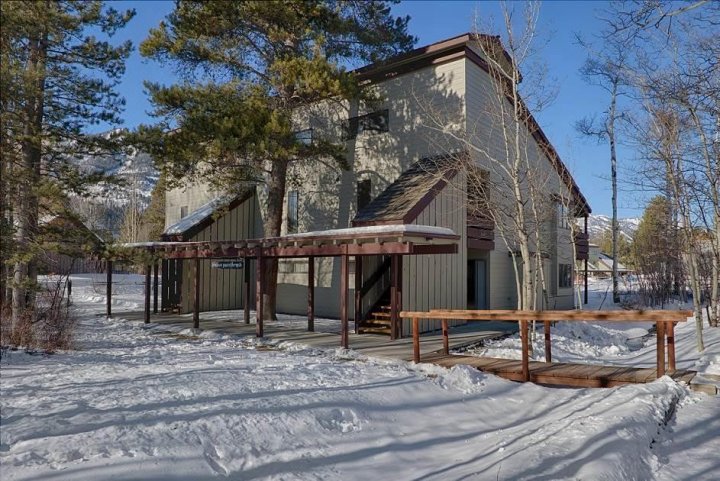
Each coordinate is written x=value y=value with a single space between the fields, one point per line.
x=613 y=180
x=273 y=226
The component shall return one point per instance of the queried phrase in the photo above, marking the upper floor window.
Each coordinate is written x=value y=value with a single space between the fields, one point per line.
x=563 y=219
x=565 y=276
x=304 y=137
x=293 y=212
x=183 y=211
x=364 y=193
x=373 y=122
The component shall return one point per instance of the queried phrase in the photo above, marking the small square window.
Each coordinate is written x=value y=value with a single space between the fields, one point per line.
x=293 y=214
x=565 y=276
x=373 y=122
x=304 y=137
x=364 y=193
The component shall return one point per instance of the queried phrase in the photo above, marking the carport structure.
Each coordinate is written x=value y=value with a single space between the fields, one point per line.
x=395 y=241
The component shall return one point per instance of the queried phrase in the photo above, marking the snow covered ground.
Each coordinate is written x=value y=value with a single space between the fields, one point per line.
x=134 y=403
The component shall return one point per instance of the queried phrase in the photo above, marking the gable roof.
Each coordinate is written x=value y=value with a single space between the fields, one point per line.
x=403 y=200
x=459 y=47
x=204 y=216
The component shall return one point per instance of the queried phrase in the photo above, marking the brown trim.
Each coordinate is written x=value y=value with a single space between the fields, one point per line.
x=481 y=244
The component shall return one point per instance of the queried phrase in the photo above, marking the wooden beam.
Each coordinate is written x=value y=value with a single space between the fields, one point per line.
x=358 y=292
x=416 y=339
x=148 y=270
x=524 y=333
x=259 y=291
x=156 y=285
x=399 y=296
x=671 y=347
x=660 y=326
x=311 y=294
x=108 y=287
x=344 y=281
x=548 y=346
x=196 y=293
x=246 y=290
x=394 y=311
x=554 y=315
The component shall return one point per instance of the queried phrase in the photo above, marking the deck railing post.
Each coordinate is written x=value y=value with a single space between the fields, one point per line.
x=393 y=297
x=260 y=281
x=416 y=339
x=311 y=294
x=156 y=285
x=660 y=327
x=525 y=348
x=246 y=290
x=358 y=292
x=548 y=346
x=148 y=270
x=344 y=278
x=446 y=340
x=671 y=346
x=108 y=287
x=196 y=294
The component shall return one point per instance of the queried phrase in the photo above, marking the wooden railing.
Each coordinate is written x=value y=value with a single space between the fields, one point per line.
x=664 y=320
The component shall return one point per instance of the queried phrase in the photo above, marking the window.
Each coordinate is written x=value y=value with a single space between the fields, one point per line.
x=373 y=122
x=565 y=276
x=563 y=221
x=292 y=212
x=183 y=211
x=364 y=193
x=304 y=137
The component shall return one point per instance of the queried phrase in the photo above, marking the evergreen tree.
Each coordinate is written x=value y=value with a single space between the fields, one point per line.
x=57 y=79
x=248 y=67
x=152 y=222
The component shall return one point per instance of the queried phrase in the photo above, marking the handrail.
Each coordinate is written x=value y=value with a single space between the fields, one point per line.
x=664 y=321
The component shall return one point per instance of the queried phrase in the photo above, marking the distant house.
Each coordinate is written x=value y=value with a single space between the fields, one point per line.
x=69 y=246
x=600 y=264
x=393 y=179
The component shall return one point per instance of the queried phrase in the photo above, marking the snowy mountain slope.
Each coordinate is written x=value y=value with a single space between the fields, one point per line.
x=598 y=223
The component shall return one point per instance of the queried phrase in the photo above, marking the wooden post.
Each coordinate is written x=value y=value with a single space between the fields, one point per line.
x=358 y=292
x=344 y=281
x=671 y=346
x=165 y=297
x=446 y=340
x=525 y=348
x=660 y=327
x=108 y=287
x=393 y=297
x=246 y=287
x=416 y=339
x=156 y=284
x=548 y=347
x=586 y=263
x=148 y=270
x=69 y=291
x=196 y=296
x=259 y=291
x=311 y=294
x=399 y=296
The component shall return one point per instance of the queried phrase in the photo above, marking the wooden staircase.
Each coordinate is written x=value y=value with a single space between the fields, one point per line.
x=378 y=319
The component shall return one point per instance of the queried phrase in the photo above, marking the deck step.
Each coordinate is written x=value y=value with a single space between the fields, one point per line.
x=366 y=329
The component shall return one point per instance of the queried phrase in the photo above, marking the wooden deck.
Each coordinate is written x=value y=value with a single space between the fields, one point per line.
x=562 y=374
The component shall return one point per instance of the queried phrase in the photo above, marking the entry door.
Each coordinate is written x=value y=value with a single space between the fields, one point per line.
x=480 y=284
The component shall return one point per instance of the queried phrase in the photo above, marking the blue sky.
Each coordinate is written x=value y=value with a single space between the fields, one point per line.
x=432 y=21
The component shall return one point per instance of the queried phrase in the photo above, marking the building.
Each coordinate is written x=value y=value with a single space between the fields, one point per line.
x=398 y=153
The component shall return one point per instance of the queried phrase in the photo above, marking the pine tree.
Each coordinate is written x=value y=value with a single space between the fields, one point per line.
x=58 y=78
x=248 y=68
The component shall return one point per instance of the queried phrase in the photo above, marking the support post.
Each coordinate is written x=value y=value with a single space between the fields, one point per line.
x=525 y=355
x=671 y=346
x=548 y=347
x=416 y=339
x=259 y=291
x=399 y=297
x=358 y=292
x=108 y=287
x=586 y=263
x=344 y=278
x=393 y=297
x=311 y=294
x=165 y=297
x=156 y=285
x=196 y=296
x=446 y=340
x=148 y=270
x=660 y=327
x=246 y=292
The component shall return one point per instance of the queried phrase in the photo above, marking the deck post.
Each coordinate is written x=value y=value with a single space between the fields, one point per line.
x=311 y=294
x=165 y=267
x=399 y=296
x=108 y=287
x=548 y=345
x=671 y=346
x=525 y=345
x=660 y=327
x=446 y=341
x=156 y=285
x=246 y=290
x=358 y=292
x=344 y=278
x=586 y=264
x=393 y=297
x=148 y=270
x=260 y=281
x=416 y=339
x=196 y=295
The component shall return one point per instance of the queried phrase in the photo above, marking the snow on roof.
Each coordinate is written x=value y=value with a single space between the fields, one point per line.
x=607 y=261
x=197 y=216
x=406 y=229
